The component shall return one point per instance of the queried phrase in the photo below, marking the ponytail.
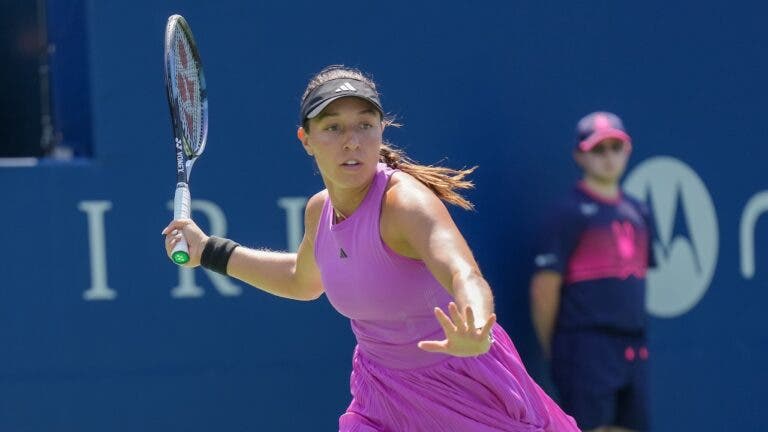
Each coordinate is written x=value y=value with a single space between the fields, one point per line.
x=441 y=180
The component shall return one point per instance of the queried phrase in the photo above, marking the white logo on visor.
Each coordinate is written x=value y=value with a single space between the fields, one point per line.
x=345 y=87
x=686 y=243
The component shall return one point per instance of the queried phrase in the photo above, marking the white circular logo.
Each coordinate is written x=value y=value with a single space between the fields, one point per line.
x=686 y=243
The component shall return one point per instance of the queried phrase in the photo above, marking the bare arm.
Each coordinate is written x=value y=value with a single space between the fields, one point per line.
x=415 y=223
x=290 y=275
x=545 y=304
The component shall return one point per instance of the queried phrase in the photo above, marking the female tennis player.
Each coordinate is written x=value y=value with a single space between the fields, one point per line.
x=380 y=243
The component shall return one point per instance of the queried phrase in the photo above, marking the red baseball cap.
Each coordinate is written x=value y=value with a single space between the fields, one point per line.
x=598 y=126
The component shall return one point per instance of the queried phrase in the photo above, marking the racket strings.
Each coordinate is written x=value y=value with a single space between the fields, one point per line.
x=186 y=89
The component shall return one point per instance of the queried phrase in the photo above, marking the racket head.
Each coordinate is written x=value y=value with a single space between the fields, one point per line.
x=186 y=91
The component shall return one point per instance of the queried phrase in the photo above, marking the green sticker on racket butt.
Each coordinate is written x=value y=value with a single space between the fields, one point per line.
x=180 y=257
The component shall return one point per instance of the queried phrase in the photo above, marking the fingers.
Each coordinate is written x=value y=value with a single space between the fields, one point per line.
x=176 y=225
x=470 y=317
x=488 y=326
x=434 y=346
x=458 y=320
x=173 y=237
x=445 y=322
x=174 y=233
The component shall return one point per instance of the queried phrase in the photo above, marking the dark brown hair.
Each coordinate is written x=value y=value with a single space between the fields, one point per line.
x=443 y=181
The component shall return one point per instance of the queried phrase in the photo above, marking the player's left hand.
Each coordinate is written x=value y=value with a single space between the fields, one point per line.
x=462 y=339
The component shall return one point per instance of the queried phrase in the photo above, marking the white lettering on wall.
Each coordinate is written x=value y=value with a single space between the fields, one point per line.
x=99 y=289
x=756 y=206
x=294 y=212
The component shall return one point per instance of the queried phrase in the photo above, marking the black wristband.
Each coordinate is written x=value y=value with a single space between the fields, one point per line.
x=216 y=254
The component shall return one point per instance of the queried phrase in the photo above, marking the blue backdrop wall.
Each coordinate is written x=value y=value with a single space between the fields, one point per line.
x=100 y=331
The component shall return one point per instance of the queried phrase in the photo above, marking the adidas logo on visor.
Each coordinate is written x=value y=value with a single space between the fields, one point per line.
x=345 y=87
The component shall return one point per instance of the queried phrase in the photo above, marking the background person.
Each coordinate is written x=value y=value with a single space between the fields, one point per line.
x=588 y=291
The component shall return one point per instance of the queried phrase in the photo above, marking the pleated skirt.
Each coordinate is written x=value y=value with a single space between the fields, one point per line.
x=489 y=393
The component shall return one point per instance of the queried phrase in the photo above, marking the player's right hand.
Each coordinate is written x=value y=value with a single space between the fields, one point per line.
x=195 y=237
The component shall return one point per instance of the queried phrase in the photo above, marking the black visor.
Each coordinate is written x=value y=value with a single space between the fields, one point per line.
x=328 y=92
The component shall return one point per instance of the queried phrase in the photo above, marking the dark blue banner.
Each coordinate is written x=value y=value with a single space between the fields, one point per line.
x=101 y=331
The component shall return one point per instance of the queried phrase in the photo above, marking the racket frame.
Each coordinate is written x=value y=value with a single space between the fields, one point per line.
x=186 y=154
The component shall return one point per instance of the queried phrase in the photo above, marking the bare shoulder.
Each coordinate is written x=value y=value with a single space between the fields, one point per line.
x=409 y=209
x=405 y=195
x=312 y=212
x=315 y=203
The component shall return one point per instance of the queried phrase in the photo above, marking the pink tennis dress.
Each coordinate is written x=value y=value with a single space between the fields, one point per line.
x=396 y=387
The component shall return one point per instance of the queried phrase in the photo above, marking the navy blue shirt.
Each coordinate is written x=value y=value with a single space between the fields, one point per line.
x=603 y=249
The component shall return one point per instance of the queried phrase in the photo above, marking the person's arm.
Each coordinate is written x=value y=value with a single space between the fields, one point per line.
x=545 y=304
x=290 y=275
x=558 y=238
x=650 y=225
x=416 y=224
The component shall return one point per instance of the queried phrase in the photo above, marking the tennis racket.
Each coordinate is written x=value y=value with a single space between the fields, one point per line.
x=188 y=101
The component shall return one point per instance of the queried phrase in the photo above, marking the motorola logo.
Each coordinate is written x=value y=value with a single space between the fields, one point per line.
x=687 y=235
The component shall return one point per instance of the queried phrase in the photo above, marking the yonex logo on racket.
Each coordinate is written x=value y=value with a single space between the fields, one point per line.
x=179 y=157
x=345 y=87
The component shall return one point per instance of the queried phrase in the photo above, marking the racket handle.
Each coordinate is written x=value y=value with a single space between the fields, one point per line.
x=181 y=210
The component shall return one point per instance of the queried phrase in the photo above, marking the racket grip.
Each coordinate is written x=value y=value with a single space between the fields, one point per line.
x=181 y=210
